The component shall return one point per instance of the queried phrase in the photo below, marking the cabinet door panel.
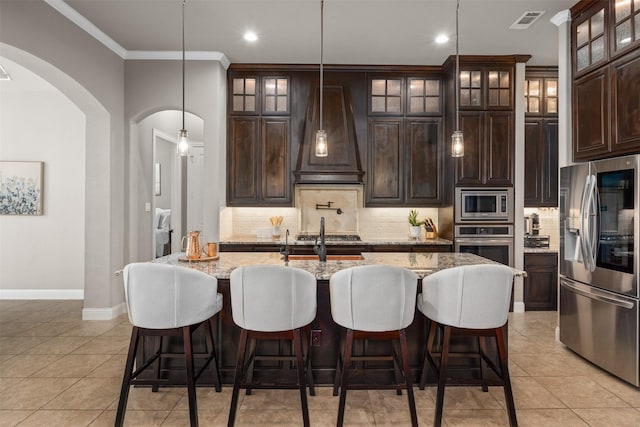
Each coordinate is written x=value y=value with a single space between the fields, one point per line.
x=591 y=116
x=243 y=161
x=625 y=104
x=276 y=176
x=385 y=171
x=532 y=162
x=424 y=160
x=550 y=163
x=469 y=167
x=541 y=283
x=499 y=148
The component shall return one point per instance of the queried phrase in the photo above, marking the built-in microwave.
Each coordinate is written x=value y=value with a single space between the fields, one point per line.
x=484 y=205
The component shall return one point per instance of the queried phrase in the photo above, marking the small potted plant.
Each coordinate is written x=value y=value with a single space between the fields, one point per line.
x=414 y=224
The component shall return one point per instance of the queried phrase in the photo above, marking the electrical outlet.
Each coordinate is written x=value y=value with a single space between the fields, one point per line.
x=316 y=338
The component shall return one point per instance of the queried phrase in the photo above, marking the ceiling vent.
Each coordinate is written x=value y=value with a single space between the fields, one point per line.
x=526 y=20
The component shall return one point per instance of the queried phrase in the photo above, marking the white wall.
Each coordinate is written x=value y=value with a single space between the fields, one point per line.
x=39 y=123
x=141 y=176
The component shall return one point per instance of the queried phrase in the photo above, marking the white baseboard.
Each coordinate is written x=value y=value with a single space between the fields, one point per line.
x=104 y=313
x=518 y=307
x=558 y=333
x=43 y=294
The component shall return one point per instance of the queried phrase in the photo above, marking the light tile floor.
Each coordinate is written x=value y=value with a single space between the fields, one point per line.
x=57 y=370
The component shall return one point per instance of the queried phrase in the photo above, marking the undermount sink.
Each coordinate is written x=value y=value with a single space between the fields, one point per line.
x=353 y=257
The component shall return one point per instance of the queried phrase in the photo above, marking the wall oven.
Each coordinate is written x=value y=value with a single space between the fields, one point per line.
x=484 y=205
x=494 y=242
x=599 y=292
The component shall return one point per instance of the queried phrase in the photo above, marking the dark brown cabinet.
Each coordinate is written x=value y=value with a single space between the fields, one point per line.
x=258 y=162
x=591 y=116
x=541 y=283
x=405 y=155
x=405 y=162
x=541 y=162
x=541 y=137
x=487 y=119
x=605 y=41
x=488 y=149
x=625 y=102
x=259 y=141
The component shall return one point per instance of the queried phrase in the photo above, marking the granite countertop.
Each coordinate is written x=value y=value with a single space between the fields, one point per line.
x=253 y=240
x=422 y=264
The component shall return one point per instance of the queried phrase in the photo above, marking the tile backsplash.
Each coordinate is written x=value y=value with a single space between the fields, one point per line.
x=549 y=223
x=369 y=223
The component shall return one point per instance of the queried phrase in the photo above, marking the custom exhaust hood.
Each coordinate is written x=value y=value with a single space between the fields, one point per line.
x=342 y=164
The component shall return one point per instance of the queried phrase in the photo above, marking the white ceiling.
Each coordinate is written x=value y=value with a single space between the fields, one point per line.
x=356 y=31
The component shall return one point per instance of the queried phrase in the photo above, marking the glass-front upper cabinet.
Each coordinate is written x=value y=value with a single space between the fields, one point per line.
x=590 y=37
x=386 y=95
x=486 y=88
x=244 y=96
x=423 y=96
x=276 y=95
x=626 y=21
x=541 y=96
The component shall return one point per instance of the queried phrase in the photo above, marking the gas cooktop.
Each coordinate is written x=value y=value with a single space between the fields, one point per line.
x=329 y=237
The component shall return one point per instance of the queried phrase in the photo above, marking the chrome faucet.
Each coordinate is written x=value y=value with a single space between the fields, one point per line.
x=285 y=251
x=321 y=249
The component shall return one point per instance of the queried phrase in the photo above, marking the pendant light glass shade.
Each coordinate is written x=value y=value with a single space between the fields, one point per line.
x=321 y=144
x=183 y=136
x=322 y=147
x=457 y=138
x=183 y=142
x=457 y=144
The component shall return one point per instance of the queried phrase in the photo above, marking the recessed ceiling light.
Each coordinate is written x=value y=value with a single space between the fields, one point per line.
x=442 y=38
x=250 y=36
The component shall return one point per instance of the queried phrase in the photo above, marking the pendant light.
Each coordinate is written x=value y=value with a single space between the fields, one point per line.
x=457 y=138
x=321 y=135
x=183 y=136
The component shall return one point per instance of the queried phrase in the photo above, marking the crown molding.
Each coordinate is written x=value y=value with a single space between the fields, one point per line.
x=561 y=17
x=82 y=22
x=176 y=55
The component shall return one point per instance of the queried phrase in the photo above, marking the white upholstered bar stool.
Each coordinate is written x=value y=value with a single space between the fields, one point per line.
x=468 y=300
x=271 y=302
x=166 y=300
x=374 y=302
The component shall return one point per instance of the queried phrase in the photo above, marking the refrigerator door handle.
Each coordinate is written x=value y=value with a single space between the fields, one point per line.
x=584 y=228
x=595 y=222
x=596 y=295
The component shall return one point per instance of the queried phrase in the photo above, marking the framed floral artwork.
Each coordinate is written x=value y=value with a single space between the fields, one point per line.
x=21 y=188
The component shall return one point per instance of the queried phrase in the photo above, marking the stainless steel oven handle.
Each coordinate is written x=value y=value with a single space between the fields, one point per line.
x=476 y=241
x=595 y=295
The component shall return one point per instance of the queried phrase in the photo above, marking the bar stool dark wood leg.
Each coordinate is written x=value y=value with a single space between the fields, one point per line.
x=346 y=362
x=504 y=367
x=158 y=365
x=242 y=347
x=306 y=347
x=482 y=348
x=191 y=382
x=444 y=360
x=297 y=343
x=211 y=344
x=252 y=361
x=427 y=355
x=406 y=370
x=339 y=363
x=128 y=371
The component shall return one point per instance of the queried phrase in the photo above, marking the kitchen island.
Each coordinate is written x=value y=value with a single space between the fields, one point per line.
x=326 y=345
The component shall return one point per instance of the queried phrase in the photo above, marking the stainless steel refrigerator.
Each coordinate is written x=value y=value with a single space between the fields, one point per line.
x=599 y=311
